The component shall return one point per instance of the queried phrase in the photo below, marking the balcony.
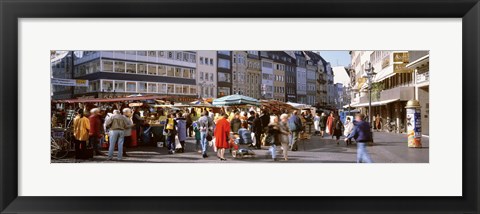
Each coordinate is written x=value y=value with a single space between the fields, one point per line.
x=402 y=93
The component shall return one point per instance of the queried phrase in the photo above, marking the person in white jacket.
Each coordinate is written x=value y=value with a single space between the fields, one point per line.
x=348 y=127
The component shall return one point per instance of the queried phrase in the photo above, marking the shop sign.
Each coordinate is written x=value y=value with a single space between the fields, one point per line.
x=401 y=57
x=401 y=68
x=69 y=82
x=386 y=62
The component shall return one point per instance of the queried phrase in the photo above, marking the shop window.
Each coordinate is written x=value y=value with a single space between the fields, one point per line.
x=131 y=68
x=119 y=86
x=107 y=66
x=152 y=69
x=120 y=67
x=131 y=86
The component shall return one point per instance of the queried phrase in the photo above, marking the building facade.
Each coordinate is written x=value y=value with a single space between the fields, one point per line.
x=419 y=61
x=123 y=73
x=254 y=75
x=207 y=74
x=331 y=94
x=239 y=70
x=301 y=77
x=267 y=75
x=290 y=78
x=224 y=73
x=61 y=67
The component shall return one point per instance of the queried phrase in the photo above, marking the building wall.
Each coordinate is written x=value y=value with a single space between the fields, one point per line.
x=311 y=83
x=224 y=73
x=279 y=81
x=239 y=70
x=207 y=74
x=267 y=78
x=254 y=75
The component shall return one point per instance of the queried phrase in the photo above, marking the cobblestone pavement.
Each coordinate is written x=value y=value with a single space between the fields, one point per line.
x=388 y=148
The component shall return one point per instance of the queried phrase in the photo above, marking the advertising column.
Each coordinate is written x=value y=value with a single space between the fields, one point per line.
x=414 y=126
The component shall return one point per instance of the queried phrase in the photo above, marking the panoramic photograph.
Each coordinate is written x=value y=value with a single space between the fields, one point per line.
x=271 y=107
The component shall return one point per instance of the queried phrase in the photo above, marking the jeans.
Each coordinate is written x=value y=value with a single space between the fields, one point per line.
x=204 y=142
x=94 y=141
x=116 y=135
x=273 y=150
x=296 y=136
x=171 y=142
x=362 y=154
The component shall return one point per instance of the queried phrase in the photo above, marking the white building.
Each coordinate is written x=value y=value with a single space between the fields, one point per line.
x=207 y=74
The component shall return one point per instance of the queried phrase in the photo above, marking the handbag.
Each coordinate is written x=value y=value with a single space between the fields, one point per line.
x=177 y=143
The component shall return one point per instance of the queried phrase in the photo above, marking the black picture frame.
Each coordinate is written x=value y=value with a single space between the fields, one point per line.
x=12 y=10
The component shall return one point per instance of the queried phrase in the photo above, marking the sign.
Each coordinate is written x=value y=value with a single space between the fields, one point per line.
x=386 y=62
x=401 y=57
x=414 y=128
x=69 y=82
x=401 y=68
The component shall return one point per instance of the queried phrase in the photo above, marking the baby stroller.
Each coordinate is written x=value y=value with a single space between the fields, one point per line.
x=240 y=147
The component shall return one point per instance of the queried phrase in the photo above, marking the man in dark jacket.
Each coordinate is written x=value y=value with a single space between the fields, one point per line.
x=257 y=128
x=362 y=135
x=295 y=125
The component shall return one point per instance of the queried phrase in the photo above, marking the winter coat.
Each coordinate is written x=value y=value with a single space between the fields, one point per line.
x=182 y=128
x=222 y=133
x=361 y=132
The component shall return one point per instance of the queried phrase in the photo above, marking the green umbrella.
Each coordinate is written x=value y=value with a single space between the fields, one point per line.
x=235 y=99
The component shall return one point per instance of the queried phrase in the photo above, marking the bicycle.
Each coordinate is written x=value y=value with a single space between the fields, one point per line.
x=60 y=143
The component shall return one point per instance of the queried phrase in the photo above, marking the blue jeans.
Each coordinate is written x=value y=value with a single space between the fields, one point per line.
x=204 y=142
x=362 y=154
x=273 y=150
x=114 y=136
x=171 y=142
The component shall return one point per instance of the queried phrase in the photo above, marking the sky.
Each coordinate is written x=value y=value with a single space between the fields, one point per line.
x=336 y=58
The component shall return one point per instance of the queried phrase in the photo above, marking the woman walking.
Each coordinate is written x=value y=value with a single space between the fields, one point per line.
x=182 y=130
x=330 y=124
x=81 y=127
x=323 y=124
x=337 y=128
x=348 y=129
x=222 y=135
x=284 y=135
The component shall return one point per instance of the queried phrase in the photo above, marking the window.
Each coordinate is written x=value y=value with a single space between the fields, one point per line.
x=107 y=66
x=142 y=87
x=211 y=77
x=107 y=85
x=223 y=63
x=152 y=69
x=223 y=77
x=224 y=52
x=186 y=73
x=170 y=71
x=192 y=58
x=170 y=54
x=267 y=64
x=201 y=60
x=93 y=87
x=185 y=57
x=119 y=86
x=142 y=69
x=152 y=87
x=170 y=89
x=178 y=89
x=131 y=86
x=201 y=76
x=142 y=53
x=178 y=72
x=152 y=54
x=132 y=53
x=161 y=53
x=162 y=70
x=185 y=89
x=192 y=73
x=206 y=61
x=131 y=68
x=163 y=88
x=193 y=90
x=120 y=67
x=211 y=61
x=179 y=56
x=223 y=91
x=211 y=91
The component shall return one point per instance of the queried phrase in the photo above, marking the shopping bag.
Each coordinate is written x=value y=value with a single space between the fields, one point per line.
x=177 y=143
x=210 y=143
x=253 y=139
x=327 y=130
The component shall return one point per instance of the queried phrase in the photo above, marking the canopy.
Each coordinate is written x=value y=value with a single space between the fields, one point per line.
x=378 y=103
x=276 y=105
x=235 y=99
x=299 y=105
x=107 y=100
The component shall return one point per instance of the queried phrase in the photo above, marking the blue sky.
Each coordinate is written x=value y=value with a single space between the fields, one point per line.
x=336 y=58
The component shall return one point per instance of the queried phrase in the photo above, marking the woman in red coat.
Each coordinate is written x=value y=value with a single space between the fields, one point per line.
x=330 y=124
x=222 y=134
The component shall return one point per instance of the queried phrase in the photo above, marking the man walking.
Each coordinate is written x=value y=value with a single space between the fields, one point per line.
x=362 y=135
x=295 y=125
x=117 y=124
x=257 y=129
x=205 y=126
x=95 y=133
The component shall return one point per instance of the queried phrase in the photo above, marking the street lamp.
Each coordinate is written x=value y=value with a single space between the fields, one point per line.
x=369 y=74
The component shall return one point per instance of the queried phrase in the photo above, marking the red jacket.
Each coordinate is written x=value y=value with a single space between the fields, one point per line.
x=95 y=126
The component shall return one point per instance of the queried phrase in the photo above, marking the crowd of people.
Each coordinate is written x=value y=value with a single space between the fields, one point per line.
x=216 y=131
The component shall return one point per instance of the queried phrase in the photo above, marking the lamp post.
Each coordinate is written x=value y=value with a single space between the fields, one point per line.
x=369 y=74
